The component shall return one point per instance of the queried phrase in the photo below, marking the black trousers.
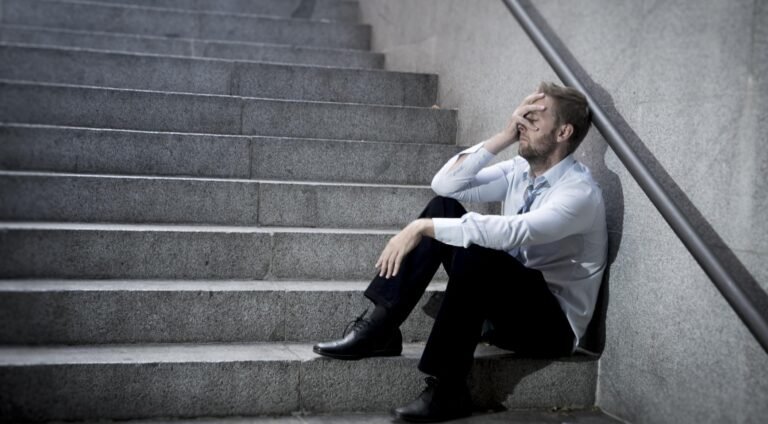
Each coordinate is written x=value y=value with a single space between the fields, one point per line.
x=484 y=284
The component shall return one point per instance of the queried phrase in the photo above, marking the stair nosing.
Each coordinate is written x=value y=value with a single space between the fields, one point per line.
x=187 y=39
x=342 y=69
x=182 y=228
x=208 y=12
x=223 y=96
x=51 y=285
x=153 y=353
x=33 y=173
x=10 y=124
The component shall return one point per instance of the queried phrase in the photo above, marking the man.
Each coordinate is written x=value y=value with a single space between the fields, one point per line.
x=529 y=277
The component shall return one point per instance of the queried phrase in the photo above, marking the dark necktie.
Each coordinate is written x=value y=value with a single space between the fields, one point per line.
x=530 y=195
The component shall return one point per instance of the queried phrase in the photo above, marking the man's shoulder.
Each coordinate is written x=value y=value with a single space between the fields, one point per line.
x=579 y=176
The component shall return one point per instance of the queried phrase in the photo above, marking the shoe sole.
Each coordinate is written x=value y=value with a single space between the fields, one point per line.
x=428 y=420
x=356 y=357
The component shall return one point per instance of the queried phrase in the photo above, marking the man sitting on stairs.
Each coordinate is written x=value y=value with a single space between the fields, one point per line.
x=526 y=280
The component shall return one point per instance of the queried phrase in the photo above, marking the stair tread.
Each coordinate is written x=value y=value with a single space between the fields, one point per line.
x=24 y=125
x=51 y=285
x=33 y=173
x=75 y=226
x=226 y=96
x=183 y=39
x=206 y=12
x=341 y=69
x=205 y=353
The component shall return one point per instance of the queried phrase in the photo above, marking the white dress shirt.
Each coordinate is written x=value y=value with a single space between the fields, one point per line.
x=563 y=235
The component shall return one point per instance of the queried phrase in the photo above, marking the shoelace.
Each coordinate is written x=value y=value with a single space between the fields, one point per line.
x=432 y=384
x=355 y=324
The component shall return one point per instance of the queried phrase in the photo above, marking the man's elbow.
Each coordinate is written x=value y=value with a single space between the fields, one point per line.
x=438 y=186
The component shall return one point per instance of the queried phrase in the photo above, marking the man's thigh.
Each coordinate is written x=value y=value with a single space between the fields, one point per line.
x=525 y=315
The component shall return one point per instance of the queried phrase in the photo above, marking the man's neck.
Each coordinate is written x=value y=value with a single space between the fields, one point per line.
x=540 y=166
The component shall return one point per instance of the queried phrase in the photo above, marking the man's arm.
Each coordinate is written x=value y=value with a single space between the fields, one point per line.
x=511 y=134
x=401 y=244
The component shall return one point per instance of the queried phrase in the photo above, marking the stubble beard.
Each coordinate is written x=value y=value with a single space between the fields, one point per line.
x=545 y=146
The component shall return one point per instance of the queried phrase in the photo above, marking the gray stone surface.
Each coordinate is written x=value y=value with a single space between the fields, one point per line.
x=207 y=76
x=52 y=197
x=151 y=381
x=340 y=206
x=156 y=111
x=39 y=312
x=587 y=416
x=81 y=150
x=327 y=160
x=689 y=83
x=191 y=47
x=185 y=389
x=123 y=152
x=80 y=198
x=341 y=10
x=78 y=251
x=177 y=23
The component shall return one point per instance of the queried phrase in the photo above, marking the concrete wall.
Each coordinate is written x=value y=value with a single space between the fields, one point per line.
x=689 y=77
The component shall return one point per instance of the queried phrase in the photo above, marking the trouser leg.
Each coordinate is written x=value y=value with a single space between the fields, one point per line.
x=490 y=284
x=401 y=293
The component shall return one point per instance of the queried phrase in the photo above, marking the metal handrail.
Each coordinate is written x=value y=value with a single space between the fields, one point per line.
x=739 y=300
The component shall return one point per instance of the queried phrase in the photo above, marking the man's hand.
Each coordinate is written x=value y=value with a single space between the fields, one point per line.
x=402 y=243
x=511 y=133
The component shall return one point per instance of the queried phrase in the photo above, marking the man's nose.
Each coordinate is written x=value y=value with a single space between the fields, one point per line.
x=521 y=128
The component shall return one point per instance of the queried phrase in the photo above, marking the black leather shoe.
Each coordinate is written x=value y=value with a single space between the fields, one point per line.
x=438 y=402
x=364 y=339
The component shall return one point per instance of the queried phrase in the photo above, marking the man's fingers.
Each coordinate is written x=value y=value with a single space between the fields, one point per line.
x=398 y=261
x=391 y=264
x=533 y=97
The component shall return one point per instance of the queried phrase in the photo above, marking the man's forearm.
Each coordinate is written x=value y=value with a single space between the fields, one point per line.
x=495 y=144
x=426 y=227
x=500 y=141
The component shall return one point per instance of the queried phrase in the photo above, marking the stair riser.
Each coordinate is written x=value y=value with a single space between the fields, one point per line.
x=216 y=77
x=117 y=317
x=131 y=200
x=121 y=152
x=171 y=23
x=187 y=255
x=320 y=9
x=153 y=111
x=192 y=48
x=122 y=391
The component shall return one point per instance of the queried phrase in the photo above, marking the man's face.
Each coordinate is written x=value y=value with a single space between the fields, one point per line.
x=539 y=145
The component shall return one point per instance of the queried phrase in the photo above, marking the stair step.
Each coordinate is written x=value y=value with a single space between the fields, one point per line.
x=92 y=16
x=36 y=196
x=130 y=311
x=191 y=47
x=215 y=76
x=72 y=250
x=83 y=150
x=72 y=105
x=337 y=10
x=143 y=381
x=525 y=416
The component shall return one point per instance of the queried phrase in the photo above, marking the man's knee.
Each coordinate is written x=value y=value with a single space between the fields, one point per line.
x=443 y=207
x=472 y=261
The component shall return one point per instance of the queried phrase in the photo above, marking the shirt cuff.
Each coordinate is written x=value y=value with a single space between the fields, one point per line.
x=477 y=158
x=448 y=231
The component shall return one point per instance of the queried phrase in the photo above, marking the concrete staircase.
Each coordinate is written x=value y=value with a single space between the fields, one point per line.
x=193 y=193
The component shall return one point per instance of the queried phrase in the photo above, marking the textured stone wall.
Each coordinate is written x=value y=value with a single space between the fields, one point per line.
x=691 y=80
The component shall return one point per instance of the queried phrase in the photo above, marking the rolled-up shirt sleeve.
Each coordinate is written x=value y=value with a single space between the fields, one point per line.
x=570 y=210
x=470 y=182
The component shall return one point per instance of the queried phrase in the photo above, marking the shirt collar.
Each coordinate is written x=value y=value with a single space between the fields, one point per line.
x=552 y=175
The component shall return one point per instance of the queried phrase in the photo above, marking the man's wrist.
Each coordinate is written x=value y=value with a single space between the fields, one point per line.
x=425 y=227
x=500 y=141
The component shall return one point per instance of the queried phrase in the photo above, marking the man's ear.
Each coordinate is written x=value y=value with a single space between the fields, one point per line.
x=564 y=132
